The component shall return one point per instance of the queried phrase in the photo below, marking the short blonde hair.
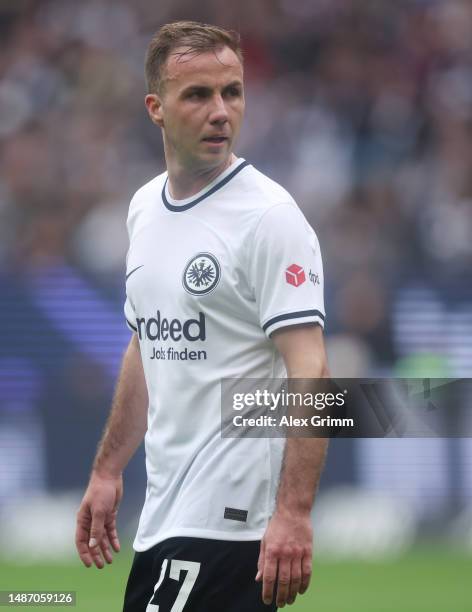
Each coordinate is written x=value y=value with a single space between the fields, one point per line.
x=198 y=37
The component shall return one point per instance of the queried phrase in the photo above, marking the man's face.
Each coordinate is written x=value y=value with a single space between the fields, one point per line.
x=200 y=106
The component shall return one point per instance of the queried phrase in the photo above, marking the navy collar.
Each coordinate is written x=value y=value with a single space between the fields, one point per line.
x=207 y=191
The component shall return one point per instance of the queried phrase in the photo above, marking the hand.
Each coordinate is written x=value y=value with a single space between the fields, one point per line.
x=96 y=520
x=285 y=557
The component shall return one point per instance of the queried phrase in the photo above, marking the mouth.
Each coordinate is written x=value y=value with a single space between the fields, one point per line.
x=215 y=139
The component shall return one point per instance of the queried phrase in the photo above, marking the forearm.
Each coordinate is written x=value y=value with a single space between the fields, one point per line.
x=301 y=470
x=127 y=422
x=286 y=548
x=304 y=458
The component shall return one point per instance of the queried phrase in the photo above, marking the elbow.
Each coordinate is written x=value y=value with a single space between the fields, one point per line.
x=310 y=369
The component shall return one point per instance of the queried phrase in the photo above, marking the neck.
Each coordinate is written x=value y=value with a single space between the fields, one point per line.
x=184 y=182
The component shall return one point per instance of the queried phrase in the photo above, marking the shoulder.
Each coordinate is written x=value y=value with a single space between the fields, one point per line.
x=144 y=197
x=260 y=201
x=265 y=212
x=148 y=190
x=266 y=193
x=274 y=207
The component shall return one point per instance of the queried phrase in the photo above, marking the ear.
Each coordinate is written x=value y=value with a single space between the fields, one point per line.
x=154 y=108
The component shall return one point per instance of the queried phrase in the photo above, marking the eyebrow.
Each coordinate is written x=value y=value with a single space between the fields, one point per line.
x=196 y=86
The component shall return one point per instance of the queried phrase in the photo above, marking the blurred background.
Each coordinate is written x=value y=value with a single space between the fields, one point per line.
x=363 y=111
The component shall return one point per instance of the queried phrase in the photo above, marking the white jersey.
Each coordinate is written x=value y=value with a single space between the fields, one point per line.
x=209 y=278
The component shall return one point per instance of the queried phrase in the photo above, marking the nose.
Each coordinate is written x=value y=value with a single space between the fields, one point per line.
x=218 y=114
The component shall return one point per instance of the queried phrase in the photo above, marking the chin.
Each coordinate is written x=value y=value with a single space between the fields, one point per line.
x=216 y=156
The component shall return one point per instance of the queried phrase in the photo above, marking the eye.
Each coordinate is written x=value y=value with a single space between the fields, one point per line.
x=233 y=92
x=197 y=94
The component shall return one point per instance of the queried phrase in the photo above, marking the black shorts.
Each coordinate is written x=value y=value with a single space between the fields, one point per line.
x=196 y=575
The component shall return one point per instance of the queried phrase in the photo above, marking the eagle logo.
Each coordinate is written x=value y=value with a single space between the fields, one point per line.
x=201 y=274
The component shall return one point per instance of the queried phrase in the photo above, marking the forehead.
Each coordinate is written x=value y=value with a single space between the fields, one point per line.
x=210 y=68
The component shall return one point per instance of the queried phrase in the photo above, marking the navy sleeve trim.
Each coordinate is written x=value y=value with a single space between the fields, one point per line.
x=294 y=315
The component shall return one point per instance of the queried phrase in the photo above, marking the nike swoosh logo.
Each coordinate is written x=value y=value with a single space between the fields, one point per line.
x=133 y=271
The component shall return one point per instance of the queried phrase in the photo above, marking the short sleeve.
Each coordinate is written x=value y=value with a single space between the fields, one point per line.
x=286 y=271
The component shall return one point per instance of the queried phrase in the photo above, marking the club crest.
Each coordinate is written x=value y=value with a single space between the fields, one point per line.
x=201 y=274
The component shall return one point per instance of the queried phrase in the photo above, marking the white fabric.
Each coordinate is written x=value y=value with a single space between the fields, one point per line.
x=243 y=233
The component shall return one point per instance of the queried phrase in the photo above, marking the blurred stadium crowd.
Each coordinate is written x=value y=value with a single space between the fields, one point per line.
x=363 y=110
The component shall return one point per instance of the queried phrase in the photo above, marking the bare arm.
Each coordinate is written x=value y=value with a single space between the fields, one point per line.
x=286 y=548
x=124 y=431
x=127 y=422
